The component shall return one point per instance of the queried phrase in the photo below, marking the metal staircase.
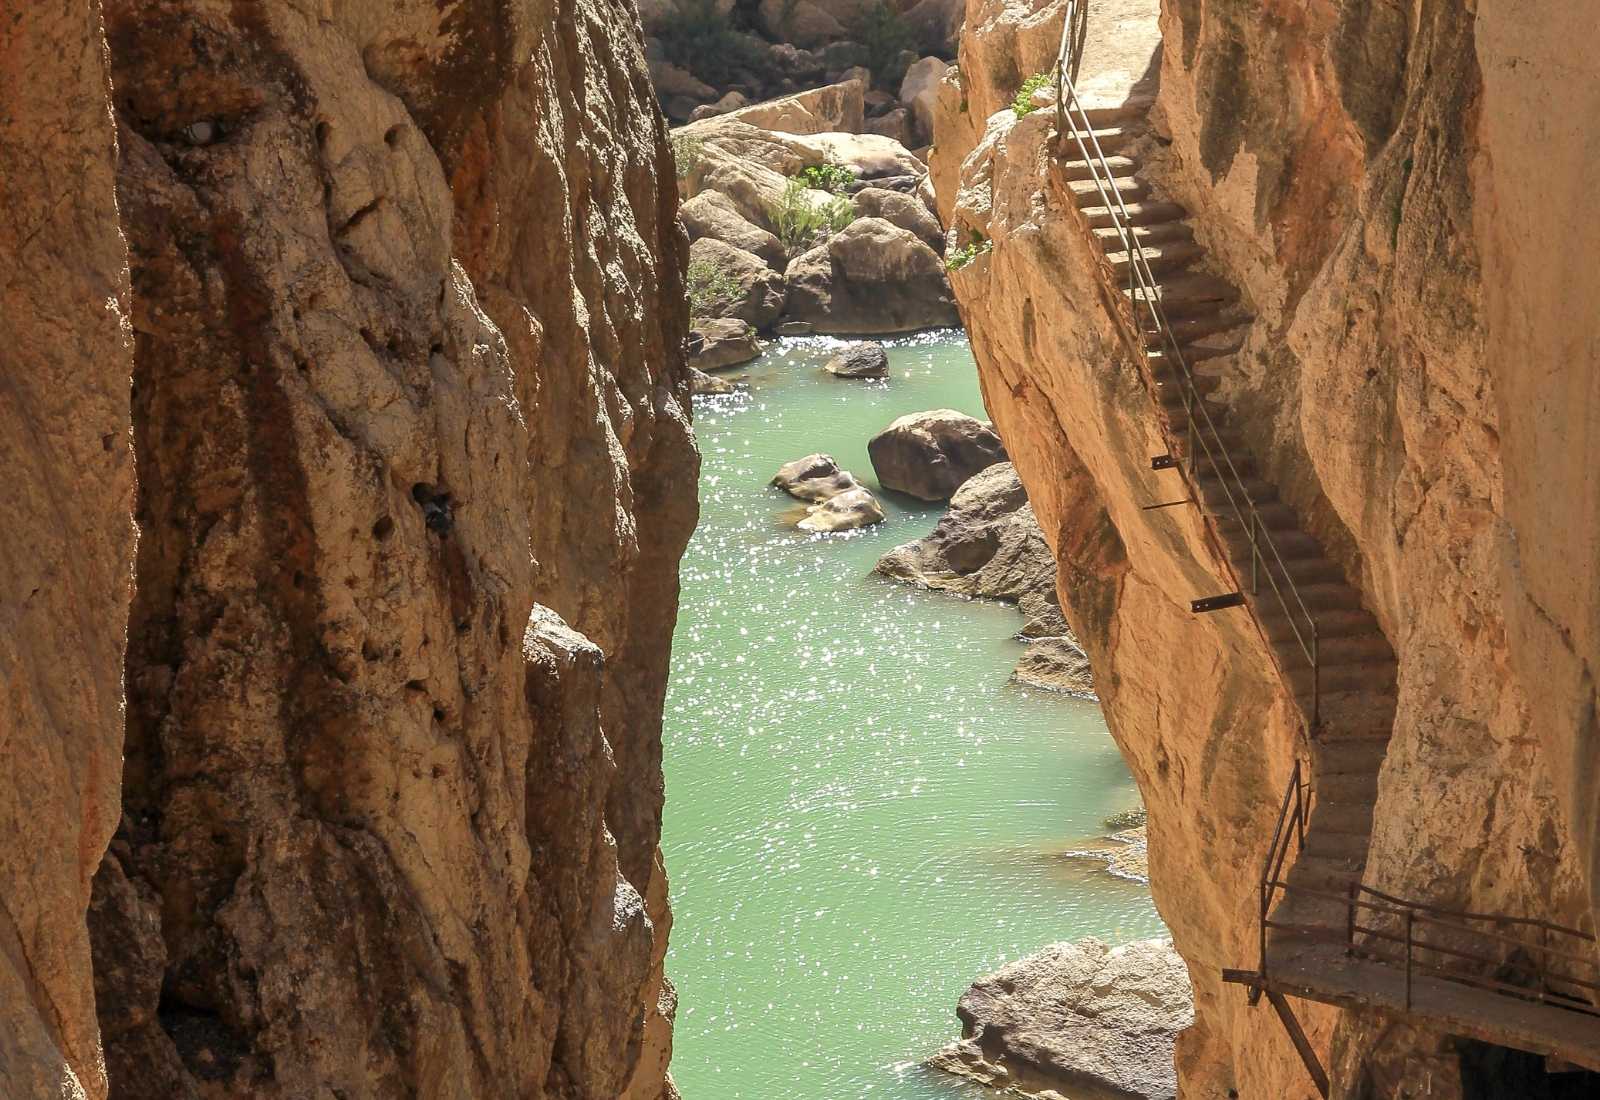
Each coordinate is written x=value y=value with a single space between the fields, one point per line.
x=1323 y=934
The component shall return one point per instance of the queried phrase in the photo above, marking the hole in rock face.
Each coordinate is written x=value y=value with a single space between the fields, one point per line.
x=436 y=511
x=392 y=137
x=383 y=528
x=323 y=132
x=1490 y=1072
x=416 y=685
x=370 y=652
x=202 y=132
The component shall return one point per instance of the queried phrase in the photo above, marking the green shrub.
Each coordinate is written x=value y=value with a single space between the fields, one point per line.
x=832 y=178
x=711 y=290
x=797 y=220
x=1124 y=819
x=687 y=152
x=700 y=38
x=1023 y=103
x=884 y=34
x=839 y=212
x=977 y=244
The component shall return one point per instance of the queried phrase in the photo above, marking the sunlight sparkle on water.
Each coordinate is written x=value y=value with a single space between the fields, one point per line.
x=861 y=810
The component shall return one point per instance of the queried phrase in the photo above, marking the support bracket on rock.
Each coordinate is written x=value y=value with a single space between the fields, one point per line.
x=1163 y=462
x=1256 y=983
x=1216 y=603
x=1167 y=504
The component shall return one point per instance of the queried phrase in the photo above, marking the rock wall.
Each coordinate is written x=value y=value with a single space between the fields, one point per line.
x=415 y=472
x=67 y=545
x=1420 y=381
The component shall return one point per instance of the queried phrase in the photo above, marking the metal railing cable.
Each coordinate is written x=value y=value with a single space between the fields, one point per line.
x=1143 y=292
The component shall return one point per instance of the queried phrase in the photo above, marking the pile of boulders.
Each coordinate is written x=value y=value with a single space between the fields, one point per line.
x=713 y=56
x=801 y=221
x=835 y=500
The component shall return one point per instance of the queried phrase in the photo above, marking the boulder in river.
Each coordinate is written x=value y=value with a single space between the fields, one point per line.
x=1081 y=1019
x=707 y=386
x=814 y=478
x=930 y=454
x=867 y=359
x=726 y=342
x=989 y=546
x=870 y=277
x=844 y=511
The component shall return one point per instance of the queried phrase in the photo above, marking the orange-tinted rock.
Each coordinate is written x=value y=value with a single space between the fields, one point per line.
x=68 y=538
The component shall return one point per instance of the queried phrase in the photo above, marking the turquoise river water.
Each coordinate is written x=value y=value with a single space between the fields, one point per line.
x=863 y=814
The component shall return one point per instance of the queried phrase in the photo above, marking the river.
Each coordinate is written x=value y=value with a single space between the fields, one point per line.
x=863 y=814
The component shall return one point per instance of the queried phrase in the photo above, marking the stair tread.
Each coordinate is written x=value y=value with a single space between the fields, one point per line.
x=1142 y=212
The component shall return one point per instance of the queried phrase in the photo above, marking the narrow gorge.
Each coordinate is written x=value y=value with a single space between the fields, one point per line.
x=738 y=549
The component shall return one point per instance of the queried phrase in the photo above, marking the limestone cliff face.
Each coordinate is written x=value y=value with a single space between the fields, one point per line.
x=415 y=472
x=67 y=543
x=1420 y=383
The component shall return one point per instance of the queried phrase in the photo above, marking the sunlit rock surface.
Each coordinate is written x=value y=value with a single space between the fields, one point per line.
x=1420 y=384
x=411 y=417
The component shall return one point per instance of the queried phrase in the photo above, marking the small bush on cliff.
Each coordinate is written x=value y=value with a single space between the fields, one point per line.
x=977 y=244
x=884 y=34
x=700 y=38
x=711 y=290
x=686 y=153
x=797 y=220
x=1023 y=103
x=832 y=178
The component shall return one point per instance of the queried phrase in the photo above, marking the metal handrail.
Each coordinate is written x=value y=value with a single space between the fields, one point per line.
x=1291 y=825
x=1568 y=978
x=1143 y=291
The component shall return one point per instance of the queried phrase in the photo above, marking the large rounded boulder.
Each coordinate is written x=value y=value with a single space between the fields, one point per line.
x=871 y=277
x=712 y=214
x=930 y=454
x=814 y=478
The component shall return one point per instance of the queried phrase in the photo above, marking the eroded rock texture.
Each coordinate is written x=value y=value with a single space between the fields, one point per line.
x=415 y=472
x=68 y=538
x=1420 y=383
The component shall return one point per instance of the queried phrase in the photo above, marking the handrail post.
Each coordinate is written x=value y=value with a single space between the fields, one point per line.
x=1255 y=557
x=1410 y=913
x=1350 y=919
x=1316 y=679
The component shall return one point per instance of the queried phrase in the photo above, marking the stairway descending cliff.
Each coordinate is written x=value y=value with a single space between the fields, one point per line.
x=1317 y=918
x=1354 y=674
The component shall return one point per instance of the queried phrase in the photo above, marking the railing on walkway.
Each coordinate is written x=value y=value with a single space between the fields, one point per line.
x=1556 y=965
x=1451 y=944
x=1149 y=320
x=1293 y=816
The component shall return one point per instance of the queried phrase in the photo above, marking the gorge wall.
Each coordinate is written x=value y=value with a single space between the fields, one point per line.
x=1398 y=191
x=401 y=302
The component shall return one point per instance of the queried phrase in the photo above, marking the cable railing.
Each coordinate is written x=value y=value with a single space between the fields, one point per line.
x=1556 y=965
x=1143 y=293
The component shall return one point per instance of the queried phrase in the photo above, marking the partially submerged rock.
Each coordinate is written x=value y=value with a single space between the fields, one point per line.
x=838 y=501
x=867 y=359
x=814 y=478
x=989 y=546
x=1125 y=853
x=843 y=512
x=931 y=454
x=721 y=343
x=871 y=277
x=707 y=386
x=1084 y=1019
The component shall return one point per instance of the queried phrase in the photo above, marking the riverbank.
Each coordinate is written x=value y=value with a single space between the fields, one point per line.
x=864 y=813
